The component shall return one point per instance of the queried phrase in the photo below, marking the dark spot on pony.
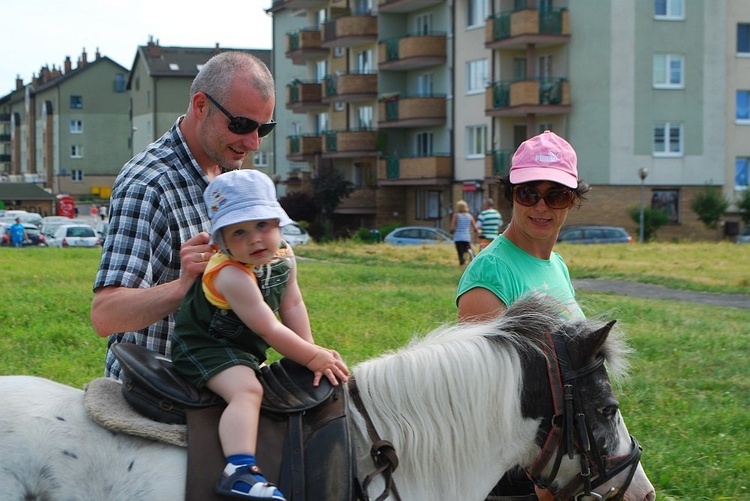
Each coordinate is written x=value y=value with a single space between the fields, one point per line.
x=60 y=418
x=130 y=466
x=70 y=454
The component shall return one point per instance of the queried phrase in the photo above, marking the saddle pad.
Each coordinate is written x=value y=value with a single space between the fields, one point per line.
x=105 y=404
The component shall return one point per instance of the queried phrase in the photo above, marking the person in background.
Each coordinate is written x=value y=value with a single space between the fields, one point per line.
x=17 y=233
x=228 y=320
x=489 y=222
x=158 y=241
x=462 y=227
x=543 y=187
x=103 y=212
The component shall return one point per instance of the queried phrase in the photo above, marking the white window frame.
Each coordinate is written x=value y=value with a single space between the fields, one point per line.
x=665 y=131
x=423 y=144
x=321 y=123
x=321 y=70
x=476 y=13
x=423 y=24
x=476 y=76
x=674 y=10
x=424 y=84
x=76 y=175
x=364 y=117
x=476 y=141
x=742 y=114
x=261 y=159
x=76 y=126
x=76 y=151
x=663 y=67
x=364 y=61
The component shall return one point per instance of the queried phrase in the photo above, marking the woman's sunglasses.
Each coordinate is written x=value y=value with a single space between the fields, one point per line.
x=556 y=198
x=244 y=125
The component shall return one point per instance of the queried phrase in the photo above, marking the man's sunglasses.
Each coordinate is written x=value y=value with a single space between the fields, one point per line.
x=556 y=198
x=244 y=125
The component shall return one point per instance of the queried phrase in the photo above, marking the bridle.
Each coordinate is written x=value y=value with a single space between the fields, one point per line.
x=570 y=434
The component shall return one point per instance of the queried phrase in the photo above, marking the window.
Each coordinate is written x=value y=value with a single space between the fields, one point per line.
x=364 y=61
x=669 y=9
x=423 y=144
x=338 y=52
x=364 y=117
x=76 y=126
x=424 y=84
x=741 y=173
x=542 y=126
x=119 y=84
x=76 y=175
x=476 y=14
x=742 y=111
x=321 y=70
x=667 y=201
x=476 y=141
x=427 y=204
x=519 y=69
x=76 y=151
x=76 y=102
x=668 y=71
x=476 y=76
x=423 y=24
x=743 y=39
x=667 y=139
x=321 y=123
x=261 y=159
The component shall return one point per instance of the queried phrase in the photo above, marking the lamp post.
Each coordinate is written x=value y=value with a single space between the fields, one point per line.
x=642 y=173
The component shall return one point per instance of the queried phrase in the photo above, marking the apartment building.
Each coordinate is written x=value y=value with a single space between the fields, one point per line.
x=421 y=103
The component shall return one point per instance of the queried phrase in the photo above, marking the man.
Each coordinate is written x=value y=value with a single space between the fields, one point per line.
x=489 y=222
x=158 y=241
x=17 y=232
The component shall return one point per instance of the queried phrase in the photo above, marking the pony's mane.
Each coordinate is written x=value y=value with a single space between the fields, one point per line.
x=479 y=366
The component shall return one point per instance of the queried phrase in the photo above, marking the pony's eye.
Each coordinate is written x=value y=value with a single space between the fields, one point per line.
x=609 y=411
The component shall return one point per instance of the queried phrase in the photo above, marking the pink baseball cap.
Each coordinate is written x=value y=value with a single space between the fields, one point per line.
x=546 y=157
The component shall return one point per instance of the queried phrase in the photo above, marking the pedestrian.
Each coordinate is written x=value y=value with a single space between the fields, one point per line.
x=103 y=212
x=489 y=222
x=17 y=233
x=543 y=187
x=462 y=227
x=228 y=320
x=93 y=211
x=158 y=232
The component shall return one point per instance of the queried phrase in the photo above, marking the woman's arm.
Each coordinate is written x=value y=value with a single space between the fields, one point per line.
x=479 y=304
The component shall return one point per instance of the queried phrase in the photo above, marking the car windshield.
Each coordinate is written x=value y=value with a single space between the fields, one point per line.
x=79 y=231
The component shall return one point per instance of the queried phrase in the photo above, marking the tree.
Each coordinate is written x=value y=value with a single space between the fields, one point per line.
x=743 y=206
x=300 y=206
x=329 y=188
x=709 y=205
x=653 y=219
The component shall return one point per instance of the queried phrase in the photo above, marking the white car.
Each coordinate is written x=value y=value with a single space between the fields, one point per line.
x=74 y=235
x=50 y=224
x=295 y=234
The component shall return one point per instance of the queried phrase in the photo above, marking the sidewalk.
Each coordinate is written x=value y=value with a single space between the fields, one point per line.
x=659 y=292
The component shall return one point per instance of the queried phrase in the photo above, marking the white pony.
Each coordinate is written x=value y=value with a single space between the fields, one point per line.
x=461 y=406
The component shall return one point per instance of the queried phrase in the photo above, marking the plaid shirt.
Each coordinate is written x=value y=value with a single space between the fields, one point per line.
x=157 y=204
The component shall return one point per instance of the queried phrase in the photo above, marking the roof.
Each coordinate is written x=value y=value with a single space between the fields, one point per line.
x=184 y=62
x=23 y=191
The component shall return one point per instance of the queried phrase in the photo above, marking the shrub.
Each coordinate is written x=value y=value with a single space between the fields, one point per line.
x=653 y=219
x=709 y=205
x=743 y=206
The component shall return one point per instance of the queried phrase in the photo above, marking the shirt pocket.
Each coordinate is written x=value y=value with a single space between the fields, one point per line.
x=226 y=325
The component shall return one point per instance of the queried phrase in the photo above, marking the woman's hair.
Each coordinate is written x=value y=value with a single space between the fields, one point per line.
x=462 y=206
x=580 y=191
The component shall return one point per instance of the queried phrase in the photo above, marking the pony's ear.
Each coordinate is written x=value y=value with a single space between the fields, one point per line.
x=600 y=336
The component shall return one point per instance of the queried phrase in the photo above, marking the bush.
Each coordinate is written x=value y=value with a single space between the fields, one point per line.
x=653 y=219
x=743 y=205
x=709 y=205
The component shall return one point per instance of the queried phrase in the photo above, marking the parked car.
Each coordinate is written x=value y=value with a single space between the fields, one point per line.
x=295 y=234
x=744 y=235
x=26 y=217
x=594 y=235
x=51 y=223
x=36 y=238
x=418 y=235
x=74 y=235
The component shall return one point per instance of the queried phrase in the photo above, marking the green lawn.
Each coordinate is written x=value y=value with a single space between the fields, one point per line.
x=686 y=401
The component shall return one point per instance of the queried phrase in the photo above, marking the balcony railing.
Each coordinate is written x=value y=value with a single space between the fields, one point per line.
x=412 y=110
x=304 y=146
x=517 y=29
x=351 y=87
x=350 y=143
x=497 y=162
x=4 y=138
x=401 y=6
x=304 y=44
x=545 y=96
x=412 y=51
x=303 y=96
x=350 y=30
x=434 y=168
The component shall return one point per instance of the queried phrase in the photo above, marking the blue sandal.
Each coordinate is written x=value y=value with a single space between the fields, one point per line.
x=260 y=490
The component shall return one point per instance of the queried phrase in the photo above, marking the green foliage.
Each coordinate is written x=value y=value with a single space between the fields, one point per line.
x=743 y=205
x=299 y=205
x=653 y=219
x=709 y=205
x=329 y=188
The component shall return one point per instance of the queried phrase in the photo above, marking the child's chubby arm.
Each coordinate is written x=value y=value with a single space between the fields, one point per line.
x=243 y=295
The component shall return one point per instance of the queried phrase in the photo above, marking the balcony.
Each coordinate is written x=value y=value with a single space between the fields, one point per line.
x=400 y=170
x=548 y=96
x=303 y=147
x=497 y=163
x=518 y=29
x=360 y=201
x=5 y=157
x=350 y=143
x=4 y=138
x=304 y=44
x=350 y=30
x=412 y=51
x=412 y=111
x=304 y=96
x=4 y=117
x=297 y=4
x=402 y=6
x=350 y=87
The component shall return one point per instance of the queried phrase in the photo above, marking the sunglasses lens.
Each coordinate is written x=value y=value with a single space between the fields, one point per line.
x=526 y=196
x=266 y=128
x=554 y=199
x=242 y=125
x=557 y=199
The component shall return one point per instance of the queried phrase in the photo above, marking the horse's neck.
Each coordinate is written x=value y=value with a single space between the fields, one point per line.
x=455 y=432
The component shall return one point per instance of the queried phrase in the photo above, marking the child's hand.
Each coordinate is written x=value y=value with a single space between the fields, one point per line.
x=328 y=363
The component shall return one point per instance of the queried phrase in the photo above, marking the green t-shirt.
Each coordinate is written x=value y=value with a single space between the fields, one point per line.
x=510 y=273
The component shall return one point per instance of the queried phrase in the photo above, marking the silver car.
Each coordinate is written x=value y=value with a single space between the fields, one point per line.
x=74 y=235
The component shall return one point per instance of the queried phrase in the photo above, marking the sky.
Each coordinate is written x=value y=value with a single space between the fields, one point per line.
x=36 y=33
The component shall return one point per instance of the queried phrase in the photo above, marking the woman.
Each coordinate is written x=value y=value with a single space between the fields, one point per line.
x=462 y=225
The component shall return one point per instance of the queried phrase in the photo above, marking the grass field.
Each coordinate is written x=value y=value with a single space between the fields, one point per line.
x=687 y=400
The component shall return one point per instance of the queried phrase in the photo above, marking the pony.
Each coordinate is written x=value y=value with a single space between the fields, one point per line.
x=457 y=408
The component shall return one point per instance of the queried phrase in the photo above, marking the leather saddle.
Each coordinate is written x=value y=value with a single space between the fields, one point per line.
x=304 y=446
